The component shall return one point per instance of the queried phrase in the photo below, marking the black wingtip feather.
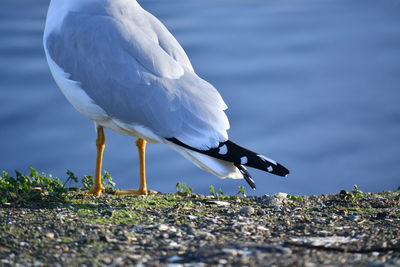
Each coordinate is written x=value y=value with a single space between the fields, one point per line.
x=239 y=156
x=246 y=176
x=280 y=170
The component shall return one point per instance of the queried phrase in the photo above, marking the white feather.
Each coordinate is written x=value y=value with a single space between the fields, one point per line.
x=84 y=104
x=220 y=168
x=155 y=49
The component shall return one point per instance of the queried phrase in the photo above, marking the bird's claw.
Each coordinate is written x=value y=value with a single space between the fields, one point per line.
x=96 y=190
x=136 y=192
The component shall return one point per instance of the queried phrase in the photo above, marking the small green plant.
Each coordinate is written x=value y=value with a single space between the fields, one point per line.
x=218 y=195
x=34 y=186
x=87 y=182
x=220 y=192
x=356 y=193
x=71 y=178
x=212 y=191
x=242 y=191
x=295 y=198
x=106 y=181
x=182 y=188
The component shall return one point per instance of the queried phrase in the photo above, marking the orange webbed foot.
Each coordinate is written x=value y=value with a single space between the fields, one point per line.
x=97 y=191
x=136 y=192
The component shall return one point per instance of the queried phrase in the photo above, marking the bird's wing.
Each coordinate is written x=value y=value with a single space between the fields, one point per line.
x=168 y=42
x=138 y=80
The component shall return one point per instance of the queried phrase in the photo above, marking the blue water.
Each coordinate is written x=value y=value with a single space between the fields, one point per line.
x=313 y=84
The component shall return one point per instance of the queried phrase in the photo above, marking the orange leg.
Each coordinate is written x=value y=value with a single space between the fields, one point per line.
x=100 y=143
x=141 y=145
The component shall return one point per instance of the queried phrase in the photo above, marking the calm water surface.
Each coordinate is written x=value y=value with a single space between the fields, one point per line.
x=312 y=84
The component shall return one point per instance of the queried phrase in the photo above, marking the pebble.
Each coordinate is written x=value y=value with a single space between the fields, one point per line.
x=281 y=196
x=107 y=213
x=174 y=258
x=107 y=260
x=139 y=227
x=174 y=245
x=108 y=239
x=8 y=221
x=222 y=261
x=191 y=231
x=205 y=235
x=218 y=203
x=261 y=212
x=271 y=201
x=381 y=215
x=262 y=228
x=352 y=217
x=163 y=227
x=50 y=235
x=213 y=220
x=230 y=251
x=248 y=210
x=117 y=262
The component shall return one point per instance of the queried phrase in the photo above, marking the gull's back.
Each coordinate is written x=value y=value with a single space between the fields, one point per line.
x=129 y=69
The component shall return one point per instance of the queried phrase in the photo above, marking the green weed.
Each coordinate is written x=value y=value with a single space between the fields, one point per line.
x=295 y=198
x=212 y=191
x=355 y=194
x=242 y=191
x=106 y=181
x=218 y=195
x=182 y=188
x=35 y=186
x=71 y=178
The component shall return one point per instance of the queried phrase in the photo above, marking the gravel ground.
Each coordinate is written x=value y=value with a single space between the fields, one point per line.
x=196 y=230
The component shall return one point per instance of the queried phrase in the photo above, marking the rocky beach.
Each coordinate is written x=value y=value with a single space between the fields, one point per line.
x=350 y=228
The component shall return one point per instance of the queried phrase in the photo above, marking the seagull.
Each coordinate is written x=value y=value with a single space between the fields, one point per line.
x=118 y=65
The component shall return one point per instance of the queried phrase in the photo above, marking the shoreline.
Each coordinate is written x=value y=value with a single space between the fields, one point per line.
x=184 y=229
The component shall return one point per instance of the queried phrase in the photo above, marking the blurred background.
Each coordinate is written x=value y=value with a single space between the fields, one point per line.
x=312 y=84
